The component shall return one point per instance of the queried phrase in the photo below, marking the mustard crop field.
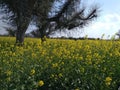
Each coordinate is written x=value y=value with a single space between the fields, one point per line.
x=59 y=64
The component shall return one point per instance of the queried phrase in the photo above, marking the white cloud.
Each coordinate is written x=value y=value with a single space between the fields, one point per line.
x=107 y=24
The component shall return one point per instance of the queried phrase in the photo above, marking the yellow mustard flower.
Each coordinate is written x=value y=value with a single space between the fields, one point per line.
x=41 y=83
x=108 y=81
x=8 y=73
x=60 y=75
x=13 y=54
x=52 y=76
x=32 y=72
x=55 y=65
x=8 y=79
x=33 y=55
x=62 y=63
x=82 y=70
x=80 y=58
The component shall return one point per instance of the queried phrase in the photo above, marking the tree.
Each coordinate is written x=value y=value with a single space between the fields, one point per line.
x=35 y=33
x=118 y=34
x=21 y=15
x=22 y=11
x=67 y=14
x=11 y=32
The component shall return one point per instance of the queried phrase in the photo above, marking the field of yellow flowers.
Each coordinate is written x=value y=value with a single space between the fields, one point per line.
x=59 y=64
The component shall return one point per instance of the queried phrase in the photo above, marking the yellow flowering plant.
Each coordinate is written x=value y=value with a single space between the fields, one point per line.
x=59 y=64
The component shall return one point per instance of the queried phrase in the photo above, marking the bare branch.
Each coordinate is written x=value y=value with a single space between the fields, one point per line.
x=59 y=14
x=90 y=15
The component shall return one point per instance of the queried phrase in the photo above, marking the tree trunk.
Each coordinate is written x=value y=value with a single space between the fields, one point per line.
x=23 y=20
x=20 y=36
x=22 y=27
x=42 y=31
x=43 y=34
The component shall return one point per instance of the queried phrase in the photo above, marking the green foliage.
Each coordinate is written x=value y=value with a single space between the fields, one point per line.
x=59 y=65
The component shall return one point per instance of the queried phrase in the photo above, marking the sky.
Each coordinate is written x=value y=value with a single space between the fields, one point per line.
x=108 y=22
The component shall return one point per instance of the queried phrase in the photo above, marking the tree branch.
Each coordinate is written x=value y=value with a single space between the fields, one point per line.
x=90 y=16
x=64 y=8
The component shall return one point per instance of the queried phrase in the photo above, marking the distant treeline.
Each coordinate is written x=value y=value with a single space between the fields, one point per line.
x=72 y=38
x=67 y=38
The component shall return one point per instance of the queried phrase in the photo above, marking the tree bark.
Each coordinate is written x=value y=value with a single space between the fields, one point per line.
x=23 y=19
x=20 y=34
x=42 y=31
x=21 y=29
